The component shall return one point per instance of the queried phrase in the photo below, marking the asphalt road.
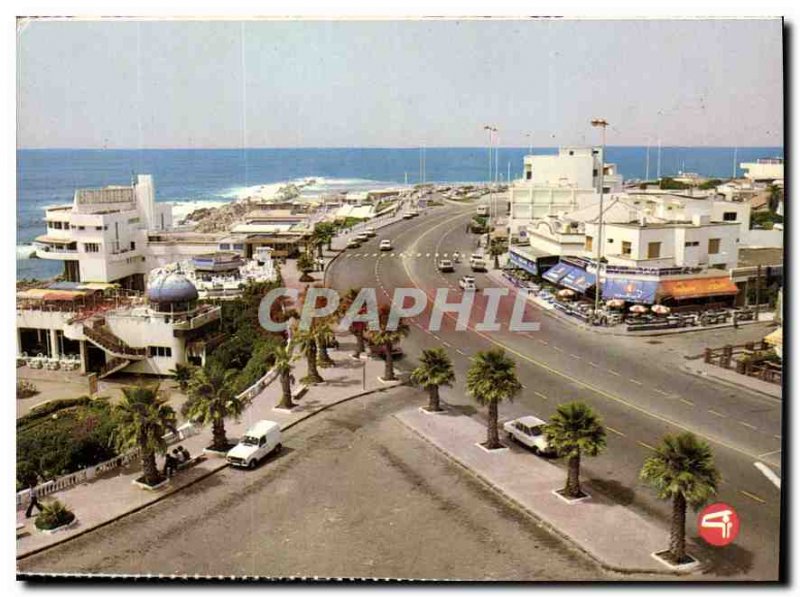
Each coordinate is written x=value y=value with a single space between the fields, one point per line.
x=634 y=383
x=354 y=494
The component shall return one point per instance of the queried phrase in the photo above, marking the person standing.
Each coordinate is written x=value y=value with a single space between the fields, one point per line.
x=34 y=503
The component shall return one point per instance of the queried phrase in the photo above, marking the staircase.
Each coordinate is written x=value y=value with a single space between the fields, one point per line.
x=112 y=366
x=102 y=337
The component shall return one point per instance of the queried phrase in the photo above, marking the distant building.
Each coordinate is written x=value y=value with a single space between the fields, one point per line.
x=553 y=184
x=764 y=170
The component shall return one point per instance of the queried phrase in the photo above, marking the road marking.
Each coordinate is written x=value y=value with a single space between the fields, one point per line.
x=392 y=254
x=542 y=396
x=749 y=426
x=662 y=392
x=427 y=254
x=435 y=336
x=753 y=496
x=612 y=430
x=717 y=414
x=446 y=343
x=777 y=436
x=769 y=474
x=769 y=453
x=612 y=372
x=461 y=352
x=593 y=364
x=636 y=381
x=523 y=386
x=374 y=254
x=558 y=349
x=419 y=254
x=543 y=342
x=644 y=445
x=574 y=356
x=571 y=378
x=687 y=402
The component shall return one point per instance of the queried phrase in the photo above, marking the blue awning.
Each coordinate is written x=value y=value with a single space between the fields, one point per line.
x=578 y=279
x=555 y=273
x=523 y=263
x=634 y=291
x=65 y=286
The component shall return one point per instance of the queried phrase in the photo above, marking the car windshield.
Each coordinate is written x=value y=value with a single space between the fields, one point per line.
x=536 y=430
x=248 y=440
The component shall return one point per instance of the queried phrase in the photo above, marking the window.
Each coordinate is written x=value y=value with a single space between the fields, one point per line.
x=653 y=250
x=729 y=216
x=713 y=246
x=98 y=227
x=626 y=248
x=691 y=243
x=589 y=243
x=133 y=221
x=160 y=351
x=611 y=240
x=133 y=246
x=91 y=247
x=224 y=246
x=238 y=247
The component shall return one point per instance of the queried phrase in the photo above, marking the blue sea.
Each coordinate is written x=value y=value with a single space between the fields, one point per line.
x=49 y=176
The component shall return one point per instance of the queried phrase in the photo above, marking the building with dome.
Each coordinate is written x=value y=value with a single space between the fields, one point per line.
x=98 y=328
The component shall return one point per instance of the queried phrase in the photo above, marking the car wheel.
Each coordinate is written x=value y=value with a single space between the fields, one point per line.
x=278 y=448
x=251 y=464
x=536 y=450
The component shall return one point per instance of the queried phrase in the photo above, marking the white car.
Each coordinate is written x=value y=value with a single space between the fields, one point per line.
x=386 y=245
x=353 y=243
x=370 y=232
x=258 y=442
x=467 y=283
x=477 y=265
x=529 y=431
x=445 y=265
x=362 y=237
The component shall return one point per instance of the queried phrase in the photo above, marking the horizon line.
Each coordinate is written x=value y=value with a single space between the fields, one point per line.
x=414 y=147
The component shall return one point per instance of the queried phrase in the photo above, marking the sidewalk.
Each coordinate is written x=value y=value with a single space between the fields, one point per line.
x=612 y=534
x=112 y=496
x=731 y=378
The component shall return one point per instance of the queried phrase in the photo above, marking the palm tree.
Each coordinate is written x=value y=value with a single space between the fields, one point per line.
x=496 y=248
x=306 y=341
x=682 y=469
x=325 y=338
x=574 y=430
x=282 y=363
x=212 y=399
x=357 y=327
x=435 y=369
x=492 y=378
x=182 y=375
x=388 y=338
x=305 y=263
x=143 y=418
x=324 y=231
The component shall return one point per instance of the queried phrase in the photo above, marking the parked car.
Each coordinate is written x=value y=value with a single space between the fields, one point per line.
x=386 y=245
x=370 y=231
x=256 y=444
x=477 y=264
x=445 y=265
x=353 y=243
x=529 y=431
x=362 y=237
x=467 y=283
x=408 y=215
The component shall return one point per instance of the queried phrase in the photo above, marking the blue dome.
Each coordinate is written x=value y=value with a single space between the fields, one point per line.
x=172 y=288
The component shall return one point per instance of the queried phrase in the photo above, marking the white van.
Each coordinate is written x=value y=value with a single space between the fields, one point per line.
x=259 y=441
x=482 y=210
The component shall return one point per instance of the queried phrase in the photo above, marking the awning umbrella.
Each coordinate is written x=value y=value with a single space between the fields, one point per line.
x=660 y=309
x=565 y=293
x=638 y=309
x=615 y=303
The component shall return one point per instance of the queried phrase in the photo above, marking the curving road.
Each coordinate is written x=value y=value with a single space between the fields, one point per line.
x=635 y=383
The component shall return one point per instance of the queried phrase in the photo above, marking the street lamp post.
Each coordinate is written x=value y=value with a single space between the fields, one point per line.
x=602 y=123
x=491 y=130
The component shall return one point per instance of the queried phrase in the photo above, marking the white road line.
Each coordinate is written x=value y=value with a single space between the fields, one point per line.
x=574 y=356
x=446 y=343
x=752 y=496
x=612 y=372
x=543 y=342
x=542 y=396
x=558 y=349
x=717 y=414
x=661 y=392
x=768 y=473
x=427 y=254
x=685 y=401
x=636 y=381
x=593 y=364
x=612 y=430
x=419 y=254
x=777 y=436
x=374 y=254
x=748 y=425
x=461 y=352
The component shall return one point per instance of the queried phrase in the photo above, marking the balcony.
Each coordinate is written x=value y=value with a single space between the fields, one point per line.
x=48 y=247
x=207 y=315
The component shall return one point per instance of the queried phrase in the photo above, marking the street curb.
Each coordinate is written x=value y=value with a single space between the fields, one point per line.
x=727 y=383
x=212 y=471
x=540 y=522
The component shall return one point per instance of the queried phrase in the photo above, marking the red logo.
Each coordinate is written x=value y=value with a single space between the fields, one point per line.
x=718 y=524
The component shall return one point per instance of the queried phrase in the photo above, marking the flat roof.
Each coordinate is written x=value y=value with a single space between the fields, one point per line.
x=750 y=257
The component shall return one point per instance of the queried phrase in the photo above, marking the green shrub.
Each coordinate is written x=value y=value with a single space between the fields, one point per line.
x=26 y=389
x=54 y=514
x=48 y=408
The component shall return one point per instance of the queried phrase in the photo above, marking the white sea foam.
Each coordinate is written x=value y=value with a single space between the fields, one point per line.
x=25 y=251
x=181 y=209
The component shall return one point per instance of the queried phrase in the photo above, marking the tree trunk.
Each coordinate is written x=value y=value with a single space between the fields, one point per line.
x=677 y=533
x=220 y=441
x=319 y=250
x=150 y=469
x=311 y=358
x=573 y=487
x=286 y=391
x=433 y=395
x=496 y=261
x=492 y=437
x=388 y=369
x=324 y=359
x=359 y=343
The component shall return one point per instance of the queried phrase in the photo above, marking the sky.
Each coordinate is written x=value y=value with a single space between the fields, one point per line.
x=203 y=84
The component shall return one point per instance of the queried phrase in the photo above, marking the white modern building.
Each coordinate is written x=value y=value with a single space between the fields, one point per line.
x=554 y=184
x=106 y=333
x=764 y=170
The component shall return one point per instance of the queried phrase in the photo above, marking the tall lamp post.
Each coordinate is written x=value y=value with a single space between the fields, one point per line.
x=491 y=130
x=602 y=124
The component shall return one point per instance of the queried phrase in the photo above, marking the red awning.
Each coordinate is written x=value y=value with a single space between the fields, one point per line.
x=697 y=288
